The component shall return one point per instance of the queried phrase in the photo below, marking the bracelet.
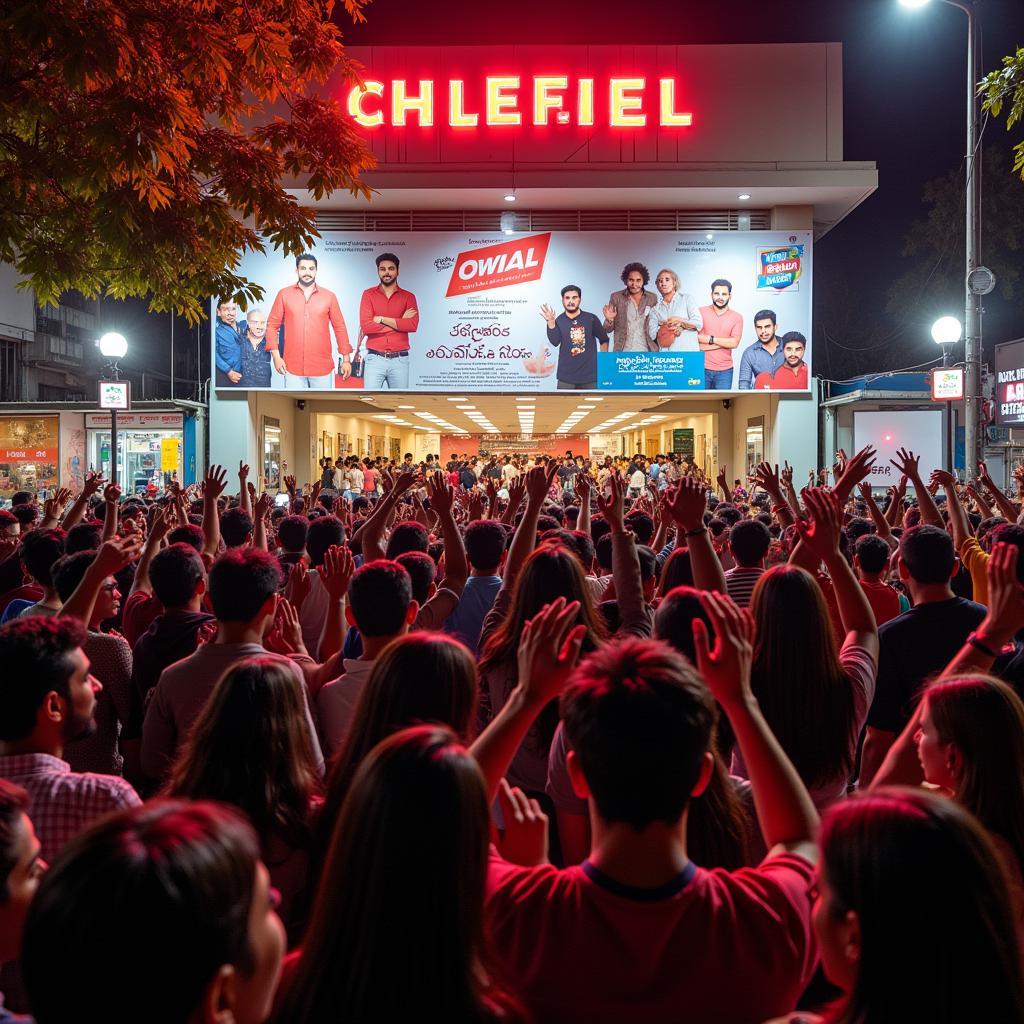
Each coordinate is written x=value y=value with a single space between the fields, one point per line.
x=697 y=532
x=977 y=641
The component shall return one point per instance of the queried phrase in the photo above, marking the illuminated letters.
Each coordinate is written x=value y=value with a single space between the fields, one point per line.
x=543 y=101
x=457 y=117
x=355 y=104
x=625 y=109
x=585 y=106
x=499 y=102
x=669 y=116
x=422 y=104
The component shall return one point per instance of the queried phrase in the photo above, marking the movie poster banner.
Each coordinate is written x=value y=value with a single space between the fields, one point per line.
x=525 y=313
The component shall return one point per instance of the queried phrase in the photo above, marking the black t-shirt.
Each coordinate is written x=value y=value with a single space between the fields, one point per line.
x=493 y=471
x=912 y=649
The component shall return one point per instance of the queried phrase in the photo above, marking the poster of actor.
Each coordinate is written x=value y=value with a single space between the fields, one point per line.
x=673 y=322
x=627 y=311
x=792 y=374
x=576 y=334
x=228 y=345
x=254 y=357
x=764 y=355
x=388 y=314
x=721 y=331
x=308 y=312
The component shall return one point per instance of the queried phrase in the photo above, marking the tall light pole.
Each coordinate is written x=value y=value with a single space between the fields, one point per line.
x=113 y=346
x=978 y=280
x=946 y=332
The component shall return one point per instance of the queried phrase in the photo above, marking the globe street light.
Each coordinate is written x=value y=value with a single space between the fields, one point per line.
x=113 y=346
x=974 y=287
x=946 y=332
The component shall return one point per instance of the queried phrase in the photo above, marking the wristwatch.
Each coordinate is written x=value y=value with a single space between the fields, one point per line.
x=712 y=339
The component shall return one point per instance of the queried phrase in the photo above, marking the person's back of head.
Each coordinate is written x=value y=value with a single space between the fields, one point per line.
x=190 y=534
x=676 y=572
x=175 y=574
x=417 y=798
x=728 y=513
x=324 y=533
x=39 y=551
x=23 y=498
x=251 y=747
x=291 y=533
x=648 y=568
x=603 y=553
x=26 y=514
x=380 y=598
x=242 y=583
x=639 y=721
x=165 y=872
x=422 y=572
x=407 y=536
x=38 y=655
x=858 y=527
x=84 y=537
x=485 y=542
x=673 y=621
x=872 y=554
x=749 y=541
x=1011 y=533
x=236 y=527
x=642 y=525
x=955 y=956
x=69 y=571
x=927 y=555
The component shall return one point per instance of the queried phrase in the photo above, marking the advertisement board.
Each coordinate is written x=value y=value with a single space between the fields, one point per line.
x=525 y=313
x=29 y=453
x=553 y=445
x=1009 y=386
x=918 y=431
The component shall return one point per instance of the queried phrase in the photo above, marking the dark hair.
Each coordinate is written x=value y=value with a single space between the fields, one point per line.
x=603 y=552
x=765 y=314
x=721 y=282
x=34 y=652
x=927 y=552
x=872 y=552
x=26 y=514
x=749 y=541
x=858 y=527
x=174 y=573
x=572 y=288
x=728 y=513
x=39 y=551
x=418 y=798
x=379 y=597
x=956 y=957
x=642 y=525
x=1011 y=533
x=187 y=533
x=407 y=536
x=422 y=573
x=324 y=532
x=676 y=572
x=790 y=336
x=165 y=870
x=235 y=527
x=69 y=571
x=13 y=804
x=418 y=678
x=648 y=562
x=635 y=268
x=291 y=533
x=640 y=720
x=306 y=257
x=83 y=537
x=241 y=582
x=390 y=256
x=485 y=542
x=803 y=691
x=7 y=519
x=22 y=498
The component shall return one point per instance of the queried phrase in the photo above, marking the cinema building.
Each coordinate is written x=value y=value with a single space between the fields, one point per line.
x=505 y=182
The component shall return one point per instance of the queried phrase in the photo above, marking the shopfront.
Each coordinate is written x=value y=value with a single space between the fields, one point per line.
x=149 y=447
x=497 y=190
x=29 y=454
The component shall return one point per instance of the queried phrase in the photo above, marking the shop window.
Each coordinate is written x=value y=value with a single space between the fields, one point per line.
x=271 y=454
x=755 y=444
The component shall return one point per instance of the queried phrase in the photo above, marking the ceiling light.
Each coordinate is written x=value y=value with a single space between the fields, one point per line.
x=409 y=407
x=456 y=399
x=743 y=195
x=509 y=197
x=709 y=236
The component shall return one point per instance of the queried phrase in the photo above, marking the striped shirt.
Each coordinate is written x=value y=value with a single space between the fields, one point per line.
x=740 y=583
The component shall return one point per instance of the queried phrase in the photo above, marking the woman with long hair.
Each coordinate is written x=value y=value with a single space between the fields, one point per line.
x=418 y=679
x=814 y=697
x=913 y=914
x=397 y=931
x=677 y=572
x=251 y=747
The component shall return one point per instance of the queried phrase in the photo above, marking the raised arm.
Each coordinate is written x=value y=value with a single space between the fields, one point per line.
x=111 y=500
x=789 y=822
x=538 y=483
x=768 y=479
x=582 y=486
x=54 y=507
x=634 y=616
x=686 y=504
x=112 y=557
x=442 y=500
x=882 y=527
x=244 y=498
x=907 y=464
x=213 y=487
x=335 y=575
x=93 y=482
x=260 y=513
x=162 y=525
x=1007 y=509
x=372 y=533
x=723 y=484
x=958 y=521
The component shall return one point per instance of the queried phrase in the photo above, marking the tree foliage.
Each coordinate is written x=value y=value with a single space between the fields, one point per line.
x=1007 y=86
x=144 y=144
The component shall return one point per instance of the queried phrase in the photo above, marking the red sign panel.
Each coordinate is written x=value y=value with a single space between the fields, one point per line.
x=495 y=266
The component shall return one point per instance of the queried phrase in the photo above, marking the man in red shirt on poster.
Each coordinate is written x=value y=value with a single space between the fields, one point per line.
x=307 y=312
x=387 y=316
x=792 y=374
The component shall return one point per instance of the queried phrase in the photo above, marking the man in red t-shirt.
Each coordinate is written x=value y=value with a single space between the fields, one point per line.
x=638 y=931
x=871 y=557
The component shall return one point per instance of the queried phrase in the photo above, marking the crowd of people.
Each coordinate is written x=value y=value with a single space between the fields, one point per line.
x=515 y=739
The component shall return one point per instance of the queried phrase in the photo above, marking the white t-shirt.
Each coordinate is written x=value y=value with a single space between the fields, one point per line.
x=356 y=475
x=637 y=480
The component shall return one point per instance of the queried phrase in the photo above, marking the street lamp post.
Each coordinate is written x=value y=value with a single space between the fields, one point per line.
x=972 y=226
x=946 y=332
x=113 y=346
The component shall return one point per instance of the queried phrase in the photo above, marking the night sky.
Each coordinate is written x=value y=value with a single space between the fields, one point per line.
x=904 y=108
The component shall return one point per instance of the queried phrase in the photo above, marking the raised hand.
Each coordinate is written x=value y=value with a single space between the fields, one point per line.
x=609 y=312
x=726 y=667
x=941 y=478
x=549 y=648
x=821 y=535
x=1005 y=594
x=516 y=492
x=93 y=482
x=476 y=505
x=548 y=314
x=214 y=483
x=854 y=470
x=612 y=506
x=787 y=475
x=525 y=840
x=115 y=554
x=768 y=479
x=538 y=482
x=299 y=584
x=440 y=493
x=336 y=572
x=721 y=478
x=686 y=503
x=286 y=634
x=583 y=486
x=907 y=464
x=243 y=471
x=289 y=486
x=262 y=506
x=112 y=493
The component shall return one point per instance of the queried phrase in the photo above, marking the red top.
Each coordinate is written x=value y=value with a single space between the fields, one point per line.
x=381 y=337
x=733 y=947
x=307 y=336
x=784 y=379
x=139 y=612
x=884 y=601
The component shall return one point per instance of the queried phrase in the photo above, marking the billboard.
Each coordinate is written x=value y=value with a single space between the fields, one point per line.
x=29 y=453
x=916 y=430
x=525 y=313
x=1009 y=387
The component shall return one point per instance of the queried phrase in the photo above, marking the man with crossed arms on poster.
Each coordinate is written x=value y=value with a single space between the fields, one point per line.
x=387 y=316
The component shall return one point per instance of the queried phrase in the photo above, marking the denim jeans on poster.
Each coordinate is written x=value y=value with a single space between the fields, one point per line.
x=718 y=380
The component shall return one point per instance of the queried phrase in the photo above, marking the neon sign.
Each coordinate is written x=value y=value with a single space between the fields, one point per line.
x=627 y=102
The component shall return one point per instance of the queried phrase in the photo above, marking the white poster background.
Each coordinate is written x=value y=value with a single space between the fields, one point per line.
x=917 y=430
x=477 y=341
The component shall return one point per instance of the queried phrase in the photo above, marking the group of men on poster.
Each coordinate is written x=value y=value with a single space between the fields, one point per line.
x=634 y=320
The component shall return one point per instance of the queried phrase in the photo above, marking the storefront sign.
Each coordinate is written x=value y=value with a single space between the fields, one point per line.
x=140 y=420
x=115 y=394
x=948 y=384
x=475 y=313
x=1009 y=386
x=553 y=445
x=29 y=453
x=170 y=455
